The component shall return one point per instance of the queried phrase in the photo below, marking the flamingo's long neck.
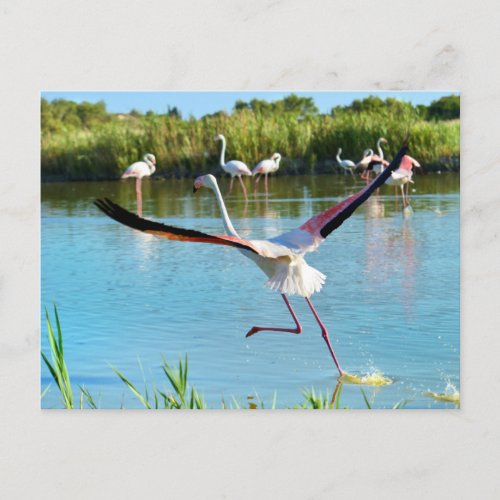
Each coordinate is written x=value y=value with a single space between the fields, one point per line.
x=338 y=155
x=228 y=226
x=380 y=152
x=150 y=165
x=223 y=152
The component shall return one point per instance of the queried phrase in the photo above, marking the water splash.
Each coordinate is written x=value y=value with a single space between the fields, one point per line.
x=450 y=394
x=408 y=211
x=375 y=378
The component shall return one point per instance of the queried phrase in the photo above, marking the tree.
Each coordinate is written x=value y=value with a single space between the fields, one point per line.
x=240 y=105
x=174 y=112
x=445 y=108
x=303 y=106
x=370 y=104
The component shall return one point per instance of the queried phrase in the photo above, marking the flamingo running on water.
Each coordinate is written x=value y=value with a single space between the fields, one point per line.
x=234 y=168
x=140 y=169
x=265 y=167
x=379 y=163
x=347 y=165
x=403 y=176
x=281 y=258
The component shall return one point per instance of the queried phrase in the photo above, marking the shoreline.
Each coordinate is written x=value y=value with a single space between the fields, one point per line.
x=299 y=169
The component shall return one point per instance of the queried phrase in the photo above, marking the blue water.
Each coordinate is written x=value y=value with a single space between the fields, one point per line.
x=125 y=299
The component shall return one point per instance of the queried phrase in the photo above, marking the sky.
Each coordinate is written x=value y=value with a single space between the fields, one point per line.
x=198 y=104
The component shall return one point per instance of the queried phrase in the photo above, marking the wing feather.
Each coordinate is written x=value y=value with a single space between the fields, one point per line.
x=129 y=219
x=329 y=220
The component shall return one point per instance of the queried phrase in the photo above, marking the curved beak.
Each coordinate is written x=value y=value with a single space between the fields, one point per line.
x=195 y=189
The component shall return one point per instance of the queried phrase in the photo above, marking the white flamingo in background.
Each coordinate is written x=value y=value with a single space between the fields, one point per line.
x=140 y=169
x=265 y=167
x=347 y=165
x=281 y=258
x=234 y=168
x=403 y=176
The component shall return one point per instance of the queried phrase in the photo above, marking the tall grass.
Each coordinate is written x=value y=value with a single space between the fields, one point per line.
x=179 y=396
x=57 y=367
x=185 y=147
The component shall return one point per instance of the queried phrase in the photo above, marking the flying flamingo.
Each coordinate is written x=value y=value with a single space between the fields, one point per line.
x=265 y=167
x=403 y=176
x=347 y=165
x=281 y=258
x=140 y=169
x=376 y=167
x=234 y=168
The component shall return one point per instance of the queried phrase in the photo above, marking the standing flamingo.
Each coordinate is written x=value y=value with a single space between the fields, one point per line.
x=281 y=258
x=234 y=168
x=140 y=169
x=347 y=165
x=403 y=176
x=265 y=167
x=375 y=166
x=369 y=162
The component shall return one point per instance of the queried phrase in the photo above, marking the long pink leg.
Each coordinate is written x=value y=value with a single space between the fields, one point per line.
x=366 y=175
x=265 y=183
x=255 y=185
x=230 y=185
x=138 y=193
x=243 y=186
x=297 y=329
x=326 y=338
x=403 y=195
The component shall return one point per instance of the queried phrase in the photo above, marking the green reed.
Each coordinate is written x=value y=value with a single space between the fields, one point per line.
x=57 y=367
x=178 y=393
x=185 y=147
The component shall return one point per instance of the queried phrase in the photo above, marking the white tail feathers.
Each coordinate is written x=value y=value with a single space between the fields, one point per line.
x=296 y=278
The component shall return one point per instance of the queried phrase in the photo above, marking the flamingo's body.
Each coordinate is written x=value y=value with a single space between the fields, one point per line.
x=281 y=258
x=140 y=169
x=369 y=162
x=378 y=165
x=347 y=165
x=403 y=176
x=266 y=167
x=234 y=168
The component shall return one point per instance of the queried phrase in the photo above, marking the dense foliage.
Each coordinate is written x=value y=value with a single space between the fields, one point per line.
x=84 y=141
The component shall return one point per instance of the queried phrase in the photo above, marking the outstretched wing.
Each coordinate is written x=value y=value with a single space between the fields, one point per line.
x=129 y=219
x=329 y=220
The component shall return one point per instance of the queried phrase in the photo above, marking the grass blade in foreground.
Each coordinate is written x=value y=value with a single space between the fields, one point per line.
x=58 y=368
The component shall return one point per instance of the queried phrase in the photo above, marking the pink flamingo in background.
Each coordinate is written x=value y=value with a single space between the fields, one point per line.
x=140 y=169
x=234 y=168
x=379 y=163
x=371 y=162
x=265 y=167
x=403 y=176
x=281 y=258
